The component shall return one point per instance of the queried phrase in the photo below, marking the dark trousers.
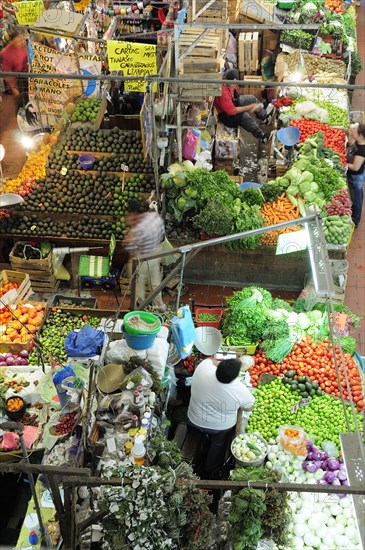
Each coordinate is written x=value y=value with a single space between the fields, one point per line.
x=217 y=447
x=244 y=119
x=356 y=182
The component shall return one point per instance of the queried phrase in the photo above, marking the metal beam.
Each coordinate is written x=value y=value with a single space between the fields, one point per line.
x=180 y=80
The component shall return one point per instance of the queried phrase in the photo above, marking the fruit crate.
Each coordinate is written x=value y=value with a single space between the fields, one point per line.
x=22 y=264
x=74 y=302
x=16 y=347
x=22 y=279
x=210 y=311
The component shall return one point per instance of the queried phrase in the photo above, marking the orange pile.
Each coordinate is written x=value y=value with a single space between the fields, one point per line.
x=14 y=404
x=21 y=323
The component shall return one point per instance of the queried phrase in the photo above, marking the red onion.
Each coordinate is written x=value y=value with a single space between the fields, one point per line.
x=329 y=477
x=3 y=364
x=10 y=360
x=2 y=358
x=8 y=355
x=336 y=481
x=333 y=464
x=24 y=353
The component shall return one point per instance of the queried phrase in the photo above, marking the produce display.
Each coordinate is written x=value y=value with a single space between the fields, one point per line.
x=333 y=138
x=65 y=425
x=111 y=163
x=55 y=330
x=106 y=141
x=9 y=358
x=211 y=201
x=86 y=110
x=322 y=418
x=316 y=361
x=281 y=210
x=334 y=115
x=14 y=404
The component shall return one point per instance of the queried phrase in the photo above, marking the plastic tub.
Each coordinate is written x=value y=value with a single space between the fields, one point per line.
x=86 y=161
x=256 y=462
x=212 y=311
x=73 y=301
x=139 y=341
x=147 y=317
x=293 y=443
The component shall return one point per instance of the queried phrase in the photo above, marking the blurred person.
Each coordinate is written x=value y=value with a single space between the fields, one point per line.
x=216 y=396
x=235 y=110
x=356 y=171
x=145 y=236
x=14 y=58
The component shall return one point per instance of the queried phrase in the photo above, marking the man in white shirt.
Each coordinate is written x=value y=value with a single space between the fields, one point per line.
x=216 y=396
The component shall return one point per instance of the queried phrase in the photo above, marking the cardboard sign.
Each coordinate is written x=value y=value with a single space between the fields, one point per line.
x=54 y=94
x=28 y=12
x=132 y=59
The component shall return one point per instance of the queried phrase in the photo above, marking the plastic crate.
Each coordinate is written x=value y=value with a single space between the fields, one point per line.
x=248 y=349
x=295 y=42
x=73 y=301
x=211 y=311
x=22 y=279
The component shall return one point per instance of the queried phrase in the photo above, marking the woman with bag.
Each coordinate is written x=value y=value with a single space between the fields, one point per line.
x=356 y=172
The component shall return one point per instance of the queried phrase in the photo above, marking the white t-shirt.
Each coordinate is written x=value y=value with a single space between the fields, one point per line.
x=214 y=405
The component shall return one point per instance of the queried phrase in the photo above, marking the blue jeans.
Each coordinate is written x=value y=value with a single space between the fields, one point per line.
x=356 y=182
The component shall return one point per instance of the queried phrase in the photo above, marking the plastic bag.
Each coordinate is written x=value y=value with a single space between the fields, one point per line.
x=117 y=352
x=138 y=377
x=66 y=372
x=85 y=343
x=190 y=144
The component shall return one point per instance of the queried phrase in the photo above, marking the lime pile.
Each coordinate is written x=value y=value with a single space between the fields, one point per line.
x=322 y=418
x=86 y=110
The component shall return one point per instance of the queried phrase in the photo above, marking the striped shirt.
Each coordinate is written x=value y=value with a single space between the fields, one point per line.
x=146 y=235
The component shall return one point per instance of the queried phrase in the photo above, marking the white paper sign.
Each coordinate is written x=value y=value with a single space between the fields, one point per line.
x=292 y=242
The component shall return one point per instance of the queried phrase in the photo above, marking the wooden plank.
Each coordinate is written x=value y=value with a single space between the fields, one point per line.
x=255 y=52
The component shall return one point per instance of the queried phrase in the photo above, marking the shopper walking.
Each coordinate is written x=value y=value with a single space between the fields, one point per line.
x=356 y=172
x=144 y=237
x=236 y=110
x=14 y=59
x=216 y=396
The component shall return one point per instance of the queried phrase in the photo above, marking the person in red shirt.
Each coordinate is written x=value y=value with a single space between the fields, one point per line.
x=14 y=58
x=235 y=110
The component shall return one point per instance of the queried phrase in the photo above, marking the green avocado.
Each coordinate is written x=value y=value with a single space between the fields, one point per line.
x=301 y=387
x=290 y=373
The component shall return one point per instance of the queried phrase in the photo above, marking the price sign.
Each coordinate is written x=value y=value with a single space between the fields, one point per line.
x=302 y=403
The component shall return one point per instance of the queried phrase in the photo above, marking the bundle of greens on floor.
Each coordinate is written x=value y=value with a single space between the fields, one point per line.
x=161 y=509
x=257 y=513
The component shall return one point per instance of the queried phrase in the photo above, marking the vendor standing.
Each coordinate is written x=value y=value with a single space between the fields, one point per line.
x=144 y=237
x=356 y=172
x=235 y=110
x=14 y=59
x=216 y=396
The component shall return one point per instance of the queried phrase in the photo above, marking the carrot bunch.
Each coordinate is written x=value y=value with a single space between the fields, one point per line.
x=335 y=5
x=282 y=210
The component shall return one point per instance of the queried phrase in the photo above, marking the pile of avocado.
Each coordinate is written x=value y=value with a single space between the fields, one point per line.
x=104 y=141
x=303 y=384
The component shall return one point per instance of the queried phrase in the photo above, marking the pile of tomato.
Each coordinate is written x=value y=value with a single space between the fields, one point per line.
x=6 y=287
x=334 y=138
x=317 y=362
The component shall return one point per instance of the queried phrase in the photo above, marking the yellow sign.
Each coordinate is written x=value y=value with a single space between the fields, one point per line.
x=132 y=59
x=28 y=12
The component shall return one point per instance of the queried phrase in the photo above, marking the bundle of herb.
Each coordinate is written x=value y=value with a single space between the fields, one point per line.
x=252 y=196
x=215 y=218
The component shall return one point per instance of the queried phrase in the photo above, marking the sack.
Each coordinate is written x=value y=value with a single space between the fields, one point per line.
x=84 y=343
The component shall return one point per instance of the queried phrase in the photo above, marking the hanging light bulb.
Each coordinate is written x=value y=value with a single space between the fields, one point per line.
x=7 y=199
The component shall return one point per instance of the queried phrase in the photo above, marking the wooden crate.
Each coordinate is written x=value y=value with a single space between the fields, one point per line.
x=248 y=52
x=199 y=10
x=43 y=264
x=22 y=279
x=197 y=90
x=249 y=89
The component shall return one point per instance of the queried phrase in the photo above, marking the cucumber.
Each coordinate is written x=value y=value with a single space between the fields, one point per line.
x=254 y=449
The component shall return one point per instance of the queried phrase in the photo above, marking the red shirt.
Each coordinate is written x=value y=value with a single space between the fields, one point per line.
x=14 y=60
x=224 y=103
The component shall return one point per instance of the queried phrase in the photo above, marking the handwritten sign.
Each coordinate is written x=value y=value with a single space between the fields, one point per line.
x=28 y=12
x=54 y=94
x=132 y=59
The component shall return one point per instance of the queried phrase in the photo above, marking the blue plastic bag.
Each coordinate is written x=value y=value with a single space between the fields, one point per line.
x=58 y=378
x=183 y=331
x=87 y=342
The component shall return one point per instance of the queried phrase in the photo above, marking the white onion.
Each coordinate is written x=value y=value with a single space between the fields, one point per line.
x=335 y=509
